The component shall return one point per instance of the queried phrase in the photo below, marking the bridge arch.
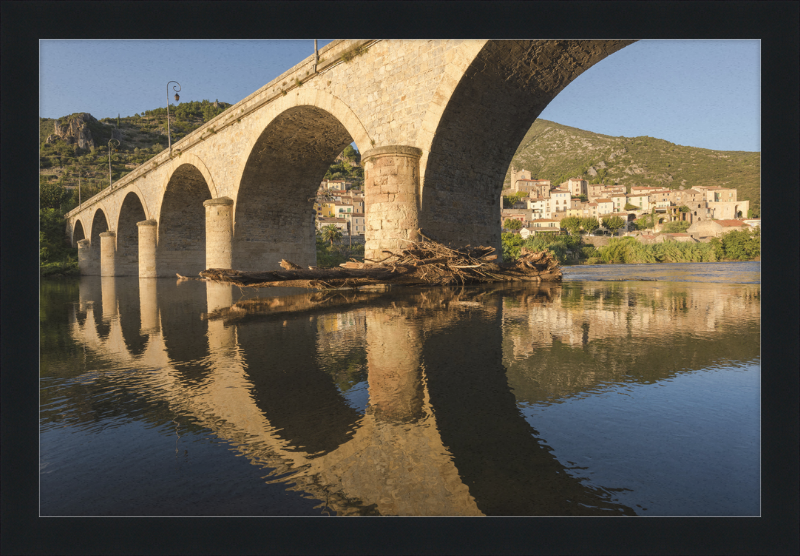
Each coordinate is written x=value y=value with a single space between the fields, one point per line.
x=491 y=98
x=78 y=232
x=292 y=147
x=181 y=240
x=132 y=210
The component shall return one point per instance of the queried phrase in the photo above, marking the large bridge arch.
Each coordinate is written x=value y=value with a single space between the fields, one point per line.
x=469 y=139
x=132 y=211
x=292 y=147
x=181 y=243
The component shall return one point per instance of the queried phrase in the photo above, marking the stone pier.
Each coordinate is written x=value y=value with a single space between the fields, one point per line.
x=148 y=237
x=391 y=197
x=108 y=252
x=87 y=262
x=219 y=232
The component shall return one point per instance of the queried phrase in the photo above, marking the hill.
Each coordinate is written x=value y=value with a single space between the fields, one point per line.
x=558 y=152
x=78 y=144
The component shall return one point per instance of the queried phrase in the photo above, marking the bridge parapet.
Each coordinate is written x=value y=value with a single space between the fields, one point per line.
x=330 y=56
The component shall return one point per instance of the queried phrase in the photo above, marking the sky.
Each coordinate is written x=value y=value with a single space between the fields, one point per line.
x=699 y=93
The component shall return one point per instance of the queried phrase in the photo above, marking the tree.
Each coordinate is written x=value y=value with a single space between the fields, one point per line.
x=677 y=227
x=51 y=195
x=331 y=233
x=512 y=224
x=684 y=208
x=613 y=223
x=511 y=200
x=589 y=224
x=572 y=224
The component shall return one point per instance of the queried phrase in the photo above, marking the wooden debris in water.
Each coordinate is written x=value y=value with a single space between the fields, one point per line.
x=422 y=263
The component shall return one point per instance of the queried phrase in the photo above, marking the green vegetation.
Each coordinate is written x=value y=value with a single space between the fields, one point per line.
x=677 y=227
x=512 y=224
x=141 y=137
x=742 y=245
x=613 y=223
x=557 y=152
x=347 y=168
x=510 y=200
x=739 y=245
x=566 y=248
x=333 y=254
x=330 y=233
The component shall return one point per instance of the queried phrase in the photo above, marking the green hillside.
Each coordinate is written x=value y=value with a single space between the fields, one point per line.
x=557 y=152
x=141 y=137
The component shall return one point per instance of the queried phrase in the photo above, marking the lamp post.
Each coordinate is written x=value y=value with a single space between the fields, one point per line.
x=109 y=159
x=177 y=98
x=80 y=202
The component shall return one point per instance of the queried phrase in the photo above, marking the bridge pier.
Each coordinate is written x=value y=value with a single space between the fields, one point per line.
x=219 y=232
x=148 y=236
x=391 y=197
x=108 y=251
x=87 y=262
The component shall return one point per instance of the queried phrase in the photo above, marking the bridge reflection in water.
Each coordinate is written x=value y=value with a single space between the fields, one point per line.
x=283 y=379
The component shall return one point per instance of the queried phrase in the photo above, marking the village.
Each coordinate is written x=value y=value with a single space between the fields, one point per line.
x=539 y=207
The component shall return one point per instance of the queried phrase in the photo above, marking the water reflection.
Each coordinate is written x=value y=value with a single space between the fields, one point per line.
x=391 y=403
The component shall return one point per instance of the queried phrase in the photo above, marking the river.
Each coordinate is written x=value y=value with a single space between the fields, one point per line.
x=624 y=390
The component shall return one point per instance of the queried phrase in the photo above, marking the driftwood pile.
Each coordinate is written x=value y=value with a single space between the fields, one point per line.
x=423 y=263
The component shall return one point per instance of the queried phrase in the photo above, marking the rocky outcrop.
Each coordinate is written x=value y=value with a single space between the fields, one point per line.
x=75 y=131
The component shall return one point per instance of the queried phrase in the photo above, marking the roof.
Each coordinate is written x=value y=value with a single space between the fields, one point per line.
x=546 y=220
x=332 y=220
x=676 y=235
x=603 y=201
x=731 y=223
x=559 y=190
x=592 y=204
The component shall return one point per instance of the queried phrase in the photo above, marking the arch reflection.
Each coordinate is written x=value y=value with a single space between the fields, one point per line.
x=439 y=431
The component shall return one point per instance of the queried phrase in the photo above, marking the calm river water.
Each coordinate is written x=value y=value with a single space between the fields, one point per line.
x=625 y=390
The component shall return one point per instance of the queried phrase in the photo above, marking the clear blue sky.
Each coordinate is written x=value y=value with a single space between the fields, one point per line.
x=700 y=93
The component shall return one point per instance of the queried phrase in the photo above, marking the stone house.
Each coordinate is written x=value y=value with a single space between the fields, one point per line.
x=544 y=225
x=601 y=190
x=604 y=206
x=340 y=223
x=706 y=229
x=358 y=224
x=523 y=215
x=559 y=201
x=539 y=206
x=576 y=186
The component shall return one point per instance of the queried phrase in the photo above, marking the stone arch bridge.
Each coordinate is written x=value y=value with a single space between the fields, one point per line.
x=437 y=123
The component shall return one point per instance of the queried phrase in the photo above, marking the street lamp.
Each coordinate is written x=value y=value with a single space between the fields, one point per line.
x=109 y=159
x=80 y=203
x=177 y=98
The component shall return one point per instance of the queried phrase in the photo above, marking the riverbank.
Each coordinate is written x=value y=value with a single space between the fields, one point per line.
x=742 y=245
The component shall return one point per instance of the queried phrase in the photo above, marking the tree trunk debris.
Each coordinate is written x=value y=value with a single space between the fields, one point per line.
x=423 y=263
